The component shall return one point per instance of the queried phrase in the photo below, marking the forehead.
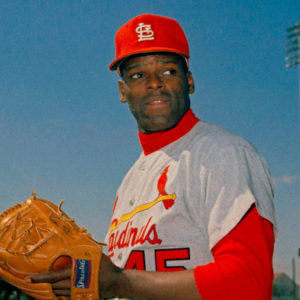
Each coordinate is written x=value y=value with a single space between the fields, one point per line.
x=145 y=59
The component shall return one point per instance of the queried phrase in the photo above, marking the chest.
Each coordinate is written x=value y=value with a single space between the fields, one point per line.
x=159 y=211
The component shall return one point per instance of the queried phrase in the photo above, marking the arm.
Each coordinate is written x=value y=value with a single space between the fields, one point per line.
x=243 y=262
x=242 y=268
x=147 y=285
x=114 y=281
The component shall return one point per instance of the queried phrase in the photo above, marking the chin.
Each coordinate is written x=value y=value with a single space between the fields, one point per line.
x=160 y=124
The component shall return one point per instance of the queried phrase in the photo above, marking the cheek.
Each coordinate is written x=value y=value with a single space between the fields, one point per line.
x=180 y=95
x=133 y=104
x=134 y=99
x=132 y=107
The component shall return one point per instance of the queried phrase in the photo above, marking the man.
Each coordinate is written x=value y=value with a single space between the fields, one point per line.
x=193 y=217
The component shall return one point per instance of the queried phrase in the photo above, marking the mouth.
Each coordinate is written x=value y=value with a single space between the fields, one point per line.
x=157 y=100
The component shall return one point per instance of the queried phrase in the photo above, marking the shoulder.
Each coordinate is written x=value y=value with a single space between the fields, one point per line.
x=211 y=141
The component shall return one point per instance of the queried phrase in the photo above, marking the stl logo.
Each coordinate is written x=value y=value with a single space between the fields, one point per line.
x=145 y=32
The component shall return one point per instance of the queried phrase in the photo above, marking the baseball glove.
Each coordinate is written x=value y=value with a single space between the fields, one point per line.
x=33 y=236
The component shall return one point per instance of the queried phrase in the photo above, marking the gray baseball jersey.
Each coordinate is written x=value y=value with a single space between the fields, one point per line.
x=176 y=203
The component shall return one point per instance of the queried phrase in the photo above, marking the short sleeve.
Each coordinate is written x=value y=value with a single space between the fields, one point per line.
x=237 y=178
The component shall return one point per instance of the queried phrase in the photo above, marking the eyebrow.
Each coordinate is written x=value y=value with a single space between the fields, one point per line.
x=132 y=67
x=169 y=61
x=165 y=62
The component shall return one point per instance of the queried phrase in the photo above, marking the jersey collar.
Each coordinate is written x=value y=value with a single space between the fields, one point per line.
x=156 y=140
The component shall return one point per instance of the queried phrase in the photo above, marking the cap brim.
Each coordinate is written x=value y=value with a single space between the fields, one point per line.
x=115 y=64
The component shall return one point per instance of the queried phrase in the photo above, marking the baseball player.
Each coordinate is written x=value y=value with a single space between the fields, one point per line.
x=194 y=216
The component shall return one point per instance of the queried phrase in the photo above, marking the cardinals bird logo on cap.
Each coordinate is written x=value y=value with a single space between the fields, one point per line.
x=145 y=32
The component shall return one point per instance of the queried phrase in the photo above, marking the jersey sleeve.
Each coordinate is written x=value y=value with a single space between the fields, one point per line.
x=242 y=267
x=237 y=178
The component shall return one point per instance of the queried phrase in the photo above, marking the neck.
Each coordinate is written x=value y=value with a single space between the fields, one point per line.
x=154 y=141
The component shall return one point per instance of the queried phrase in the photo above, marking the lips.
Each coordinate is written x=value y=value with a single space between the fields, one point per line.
x=157 y=103
x=157 y=100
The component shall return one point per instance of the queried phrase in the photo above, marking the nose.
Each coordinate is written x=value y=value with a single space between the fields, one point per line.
x=155 y=81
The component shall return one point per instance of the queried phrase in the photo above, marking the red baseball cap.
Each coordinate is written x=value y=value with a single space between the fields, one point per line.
x=149 y=33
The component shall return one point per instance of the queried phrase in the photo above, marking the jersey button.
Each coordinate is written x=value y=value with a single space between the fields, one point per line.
x=142 y=166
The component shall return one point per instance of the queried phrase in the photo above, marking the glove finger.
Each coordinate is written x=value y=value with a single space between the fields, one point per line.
x=36 y=290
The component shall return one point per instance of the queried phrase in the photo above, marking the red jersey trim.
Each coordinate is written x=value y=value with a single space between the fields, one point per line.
x=157 y=140
x=242 y=267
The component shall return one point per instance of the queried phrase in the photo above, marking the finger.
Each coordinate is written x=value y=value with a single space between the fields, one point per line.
x=63 y=284
x=60 y=293
x=51 y=277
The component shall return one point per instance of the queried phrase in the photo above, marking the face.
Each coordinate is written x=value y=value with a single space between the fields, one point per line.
x=156 y=88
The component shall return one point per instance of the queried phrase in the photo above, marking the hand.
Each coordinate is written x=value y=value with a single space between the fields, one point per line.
x=60 y=281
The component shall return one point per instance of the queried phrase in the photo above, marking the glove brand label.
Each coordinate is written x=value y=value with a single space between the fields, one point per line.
x=82 y=274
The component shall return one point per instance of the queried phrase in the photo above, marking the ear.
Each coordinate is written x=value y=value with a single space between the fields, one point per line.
x=122 y=91
x=191 y=83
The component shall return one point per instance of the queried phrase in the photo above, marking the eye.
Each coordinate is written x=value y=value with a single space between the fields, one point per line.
x=169 y=72
x=136 y=76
